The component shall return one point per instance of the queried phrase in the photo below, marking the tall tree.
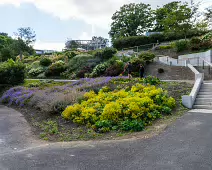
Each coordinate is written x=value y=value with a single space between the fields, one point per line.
x=175 y=17
x=27 y=35
x=131 y=20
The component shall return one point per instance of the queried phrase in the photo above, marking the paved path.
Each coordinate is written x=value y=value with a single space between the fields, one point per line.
x=185 y=145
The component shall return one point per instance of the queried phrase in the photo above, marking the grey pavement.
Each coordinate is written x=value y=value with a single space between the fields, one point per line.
x=185 y=145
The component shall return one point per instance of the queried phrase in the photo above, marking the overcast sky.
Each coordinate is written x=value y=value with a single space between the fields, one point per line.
x=56 y=20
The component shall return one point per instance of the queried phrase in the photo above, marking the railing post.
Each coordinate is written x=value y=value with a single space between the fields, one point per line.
x=203 y=66
x=170 y=63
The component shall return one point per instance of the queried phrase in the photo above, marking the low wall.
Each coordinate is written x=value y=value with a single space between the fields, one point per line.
x=188 y=100
x=206 y=55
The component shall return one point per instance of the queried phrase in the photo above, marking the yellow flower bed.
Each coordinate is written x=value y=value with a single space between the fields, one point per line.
x=126 y=110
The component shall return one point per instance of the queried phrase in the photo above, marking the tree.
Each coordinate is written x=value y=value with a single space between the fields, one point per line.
x=97 y=42
x=71 y=44
x=27 y=35
x=208 y=15
x=175 y=17
x=131 y=20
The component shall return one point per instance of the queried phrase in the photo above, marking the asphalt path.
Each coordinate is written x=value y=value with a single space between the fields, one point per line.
x=184 y=145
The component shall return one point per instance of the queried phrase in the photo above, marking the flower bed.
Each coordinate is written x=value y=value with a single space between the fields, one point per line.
x=123 y=109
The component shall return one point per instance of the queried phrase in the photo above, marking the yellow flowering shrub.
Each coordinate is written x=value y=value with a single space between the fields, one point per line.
x=131 y=109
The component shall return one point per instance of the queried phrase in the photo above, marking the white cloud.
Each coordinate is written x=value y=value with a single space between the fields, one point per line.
x=58 y=46
x=95 y=12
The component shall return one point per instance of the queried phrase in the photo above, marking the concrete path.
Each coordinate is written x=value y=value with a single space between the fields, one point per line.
x=185 y=145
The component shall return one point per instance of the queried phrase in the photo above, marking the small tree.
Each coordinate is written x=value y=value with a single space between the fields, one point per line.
x=27 y=35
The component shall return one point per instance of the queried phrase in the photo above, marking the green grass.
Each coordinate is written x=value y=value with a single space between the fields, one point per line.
x=41 y=84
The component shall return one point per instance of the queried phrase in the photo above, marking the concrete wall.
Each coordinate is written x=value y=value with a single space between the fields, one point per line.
x=188 y=100
x=193 y=59
x=206 y=55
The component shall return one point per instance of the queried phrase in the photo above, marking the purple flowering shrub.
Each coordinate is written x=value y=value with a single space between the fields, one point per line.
x=47 y=100
x=17 y=96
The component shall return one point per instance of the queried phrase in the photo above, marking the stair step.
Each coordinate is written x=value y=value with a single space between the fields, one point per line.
x=205 y=93
x=204 y=96
x=202 y=107
x=205 y=90
x=203 y=102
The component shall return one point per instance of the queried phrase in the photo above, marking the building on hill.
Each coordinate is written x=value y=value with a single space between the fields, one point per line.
x=152 y=33
x=41 y=52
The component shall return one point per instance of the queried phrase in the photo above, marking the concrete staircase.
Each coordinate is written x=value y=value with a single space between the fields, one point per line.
x=204 y=97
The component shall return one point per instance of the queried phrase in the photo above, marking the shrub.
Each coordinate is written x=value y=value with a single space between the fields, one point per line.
x=80 y=61
x=106 y=53
x=35 y=64
x=163 y=47
x=85 y=70
x=181 y=45
x=124 y=109
x=195 y=43
x=160 y=70
x=45 y=62
x=152 y=80
x=207 y=37
x=56 y=69
x=99 y=70
x=147 y=56
x=115 y=70
x=11 y=72
x=5 y=54
x=36 y=71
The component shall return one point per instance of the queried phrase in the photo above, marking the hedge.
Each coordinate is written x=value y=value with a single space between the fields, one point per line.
x=127 y=42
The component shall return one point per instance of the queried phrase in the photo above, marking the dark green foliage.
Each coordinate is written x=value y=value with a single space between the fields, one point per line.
x=134 y=125
x=181 y=45
x=11 y=73
x=45 y=62
x=160 y=70
x=106 y=53
x=5 y=54
x=151 y=80
x=132 y=41
x=146 y=56
x=55 y=69
x=195 y=43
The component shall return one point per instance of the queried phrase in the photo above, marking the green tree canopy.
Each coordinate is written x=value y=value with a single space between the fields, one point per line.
x=176 y=17
x=131 y=20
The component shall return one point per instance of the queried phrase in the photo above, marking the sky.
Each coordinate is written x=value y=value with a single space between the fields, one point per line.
x=56 y=21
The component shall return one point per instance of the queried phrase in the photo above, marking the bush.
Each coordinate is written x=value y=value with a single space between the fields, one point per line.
x=99 y=70
x=11 y=72
x=164 y=47
x=151 y=80
x=45 y=62
x=6 y=54
x=34 y=72
x=83 y=72
x=195 y=43
x=115 y=69
x=181 y=45
x=80 y=61
x=106 y=53
x=55 y=69
x=160 y=70
x=147 y=56
x=124 y=109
